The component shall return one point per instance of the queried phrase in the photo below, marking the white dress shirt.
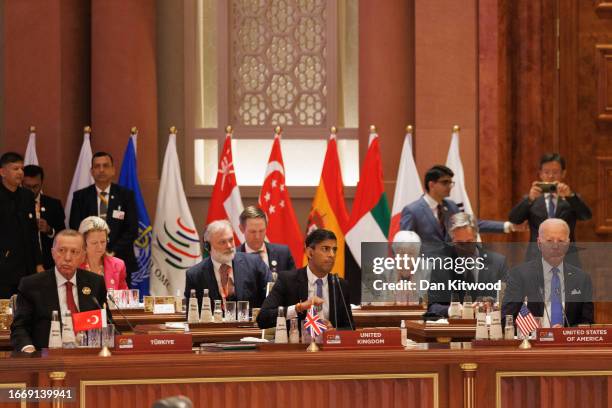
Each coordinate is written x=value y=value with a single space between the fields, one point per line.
x=548 y=275
x=312 y=291
x=263 y=254
x=61 y=291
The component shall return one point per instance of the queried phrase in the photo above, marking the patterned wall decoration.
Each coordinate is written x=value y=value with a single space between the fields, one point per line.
x=278 y=52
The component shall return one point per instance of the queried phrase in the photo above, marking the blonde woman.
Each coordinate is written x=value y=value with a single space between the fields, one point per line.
x=95 y=231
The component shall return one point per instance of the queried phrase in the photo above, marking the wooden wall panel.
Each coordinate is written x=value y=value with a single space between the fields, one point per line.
x=604 y=195
x=275 y=392
x=604 y=82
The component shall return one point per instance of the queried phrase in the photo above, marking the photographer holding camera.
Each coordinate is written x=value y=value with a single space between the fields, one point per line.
x=550 y=197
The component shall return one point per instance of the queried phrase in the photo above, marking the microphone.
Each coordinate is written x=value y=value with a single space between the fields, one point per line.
x=348 y=315
x=108 y=314
x=541 y=289
x=334 y=298
x=110 y=297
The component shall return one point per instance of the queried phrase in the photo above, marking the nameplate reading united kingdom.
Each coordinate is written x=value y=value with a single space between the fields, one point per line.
x=575 y=336
x=371 y=339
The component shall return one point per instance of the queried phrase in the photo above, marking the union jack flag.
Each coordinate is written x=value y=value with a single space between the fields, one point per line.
x=525 y=321
x=314 y=324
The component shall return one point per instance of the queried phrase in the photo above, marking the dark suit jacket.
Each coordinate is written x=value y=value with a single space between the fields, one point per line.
x=19 y=247
x=52 y=211
x=291 y=287
x=251 y=276
x=36 y=300
x=279 y=257
x=122 y=232
x=418 y=217
x=570 y=210
x=527 y=280
x=495 y=269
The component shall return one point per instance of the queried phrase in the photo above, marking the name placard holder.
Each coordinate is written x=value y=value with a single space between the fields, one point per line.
x=153 y=343
x=575 y=336
x=370 y=339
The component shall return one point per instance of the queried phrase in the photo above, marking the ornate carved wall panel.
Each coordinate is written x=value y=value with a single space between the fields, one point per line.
x=604 y=195
x=604 y=82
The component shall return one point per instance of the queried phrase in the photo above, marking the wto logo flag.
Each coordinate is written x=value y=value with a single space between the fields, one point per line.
x=128 y=178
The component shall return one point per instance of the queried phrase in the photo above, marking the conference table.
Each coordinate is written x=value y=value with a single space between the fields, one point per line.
x=428 y=375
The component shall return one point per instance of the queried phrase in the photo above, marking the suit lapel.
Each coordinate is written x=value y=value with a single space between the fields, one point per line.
x=92 y=200
x=302 y=285
x=238 y=265
x=539 y=207
x=85 y=295
x=569 y=280
x=209 y=281
x=432 y=220
x=52 y=298
x=562 y=206
x=271 y=255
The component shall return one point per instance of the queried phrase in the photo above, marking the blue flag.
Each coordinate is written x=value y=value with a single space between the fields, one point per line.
x=128 y=178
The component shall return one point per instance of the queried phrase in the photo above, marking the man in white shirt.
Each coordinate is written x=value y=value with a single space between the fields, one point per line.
x=557 y=291
x=314 y=284
x=63 y=288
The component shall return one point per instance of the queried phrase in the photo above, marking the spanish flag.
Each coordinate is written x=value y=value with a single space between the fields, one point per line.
x=328 y=209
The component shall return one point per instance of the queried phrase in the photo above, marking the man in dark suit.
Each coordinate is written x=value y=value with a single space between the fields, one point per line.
x=298 y=290
x=49 y=212
x=114 y=204
x=473 y=265
x=429 y=215
x=555 y=290
x=559 y=201
x=19 y=248
x=62 y=288
x=253 y=224
x=227 y=274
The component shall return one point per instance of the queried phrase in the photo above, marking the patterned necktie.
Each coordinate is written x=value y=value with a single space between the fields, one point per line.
x=441 y=219
x=551 y=206
x=70 y=298
x=556 y=307
x=103 y=209
x=227 y=285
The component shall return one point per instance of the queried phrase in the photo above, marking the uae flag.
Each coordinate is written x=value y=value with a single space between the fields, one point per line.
x=226 y=202
x=408 y=187
x=328 y=210
x=370 y=216
x=274 y=199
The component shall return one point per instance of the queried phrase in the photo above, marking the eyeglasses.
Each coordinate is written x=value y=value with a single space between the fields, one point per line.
x=446 y=182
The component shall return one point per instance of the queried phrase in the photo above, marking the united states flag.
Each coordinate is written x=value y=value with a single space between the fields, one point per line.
x=314 y=324
x=525 y=321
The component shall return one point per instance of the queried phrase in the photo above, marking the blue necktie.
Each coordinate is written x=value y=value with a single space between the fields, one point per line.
x=556 y=308
x=551 y=206
x=319 y=283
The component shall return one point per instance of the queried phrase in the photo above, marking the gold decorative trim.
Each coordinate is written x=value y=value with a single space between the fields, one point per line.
x=15 y=385
x=57 y=375
x=153 y=381
x=468 y=366
x=509 y=374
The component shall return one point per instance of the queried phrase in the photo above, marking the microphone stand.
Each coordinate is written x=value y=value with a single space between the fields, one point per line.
x=348 y=315
x=110 y=297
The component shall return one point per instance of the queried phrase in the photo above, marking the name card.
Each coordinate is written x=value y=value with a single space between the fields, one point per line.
x=371 y=339
x=575 y=336
x=164 y=308
x=154 y=343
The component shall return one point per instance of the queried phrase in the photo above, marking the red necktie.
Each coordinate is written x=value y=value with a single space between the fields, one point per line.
x=226 y=283
x=70 y=298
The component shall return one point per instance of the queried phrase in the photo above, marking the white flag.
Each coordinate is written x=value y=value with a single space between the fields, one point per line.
x=176 y=245
x=408 y=187
x=82 y=175
x=453 y=161
x=30 y=154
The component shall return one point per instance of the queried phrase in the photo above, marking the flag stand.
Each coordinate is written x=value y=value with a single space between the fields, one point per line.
x=105 y=352
x=525 y=344
x=313 y=348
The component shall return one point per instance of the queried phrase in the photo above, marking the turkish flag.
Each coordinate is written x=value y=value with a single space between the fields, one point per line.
x=274 y=199
x=92 y=319
x=226 y=202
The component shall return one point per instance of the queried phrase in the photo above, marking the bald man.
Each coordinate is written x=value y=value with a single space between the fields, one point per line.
x=557 y=291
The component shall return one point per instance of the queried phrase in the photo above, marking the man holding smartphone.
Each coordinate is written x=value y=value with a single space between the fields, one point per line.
x=550 y=197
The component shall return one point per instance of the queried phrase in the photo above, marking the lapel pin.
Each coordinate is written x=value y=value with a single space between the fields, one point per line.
x=30 y=215
x=273 y=262
x=86 y=290
x=42 y=209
